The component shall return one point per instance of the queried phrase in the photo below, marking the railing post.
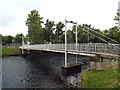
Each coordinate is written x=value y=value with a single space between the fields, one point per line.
x=85 y=46
x=95 y=47
x=109 y=49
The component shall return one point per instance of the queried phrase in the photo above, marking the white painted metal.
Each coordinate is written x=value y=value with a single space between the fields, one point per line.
x=94 y=47
x=22 y=45
x=28 y=43
x=65 y=42
x=76 y=42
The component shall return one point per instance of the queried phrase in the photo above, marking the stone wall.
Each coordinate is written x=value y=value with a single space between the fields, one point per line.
x=105 y=64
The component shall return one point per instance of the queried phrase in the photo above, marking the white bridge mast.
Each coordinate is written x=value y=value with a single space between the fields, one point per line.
x=66 y=39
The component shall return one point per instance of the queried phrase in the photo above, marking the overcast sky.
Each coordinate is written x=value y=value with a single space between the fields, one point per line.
x=99 y=13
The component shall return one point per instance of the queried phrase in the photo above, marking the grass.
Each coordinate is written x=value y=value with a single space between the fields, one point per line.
x=10 y=51
x=100 y=79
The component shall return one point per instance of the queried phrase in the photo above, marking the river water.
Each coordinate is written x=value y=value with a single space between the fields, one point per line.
x=39 y=70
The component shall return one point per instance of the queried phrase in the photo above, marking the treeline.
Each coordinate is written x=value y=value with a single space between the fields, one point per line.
x=10 y=40
x=51 y=32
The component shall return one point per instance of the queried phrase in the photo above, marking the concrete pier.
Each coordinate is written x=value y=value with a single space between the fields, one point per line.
x=71 y=69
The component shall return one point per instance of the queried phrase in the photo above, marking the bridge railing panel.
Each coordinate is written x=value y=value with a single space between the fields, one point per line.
x=89 y=47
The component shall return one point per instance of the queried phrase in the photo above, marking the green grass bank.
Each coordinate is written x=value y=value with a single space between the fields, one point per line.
x=10 y=51
x=100 y=79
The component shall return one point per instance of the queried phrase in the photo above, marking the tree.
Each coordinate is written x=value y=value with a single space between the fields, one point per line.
x=7 y=40
x=114 y=33
x=48 y=31
x=116 y=18
x=59 y=31
x=35 y=30
x=87 y=34
x=70 y=37
x=18 y=38
x=83 y=33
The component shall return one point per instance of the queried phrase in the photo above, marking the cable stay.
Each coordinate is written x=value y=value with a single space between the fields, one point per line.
x=105 y=36
x=99 y=37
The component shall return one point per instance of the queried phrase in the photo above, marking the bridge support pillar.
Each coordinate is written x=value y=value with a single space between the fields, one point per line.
x=71 y=69
x=24 y=53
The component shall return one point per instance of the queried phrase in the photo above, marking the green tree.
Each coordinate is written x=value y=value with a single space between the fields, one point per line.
x=35 y=30
x=7 y=40
x=116 y=18
x=59 y=31
x=18 y=38
x=114 y=33
x=70 y=36
x=48 y=30
x=87 y=34
x=82 y=34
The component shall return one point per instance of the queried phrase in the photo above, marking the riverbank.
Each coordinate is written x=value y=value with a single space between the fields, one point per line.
x=101 y=79
x=10 y=52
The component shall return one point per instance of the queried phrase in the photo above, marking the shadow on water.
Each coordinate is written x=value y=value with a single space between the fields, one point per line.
x=40 y=70
x=50 y=63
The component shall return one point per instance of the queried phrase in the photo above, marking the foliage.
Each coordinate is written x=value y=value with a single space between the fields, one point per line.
x=114 y=33
x=48 y=30
x=100 y=79
x=57 y=36
x=35 y=30
x=70 y=36
x=116 y=18
x=59 y=31
x=18 y=38
x=53 y=32
x=7 y=40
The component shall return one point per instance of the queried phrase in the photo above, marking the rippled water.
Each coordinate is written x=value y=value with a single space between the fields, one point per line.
x=41 y=70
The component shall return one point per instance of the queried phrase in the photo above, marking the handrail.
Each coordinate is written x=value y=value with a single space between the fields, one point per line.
x=89 y=47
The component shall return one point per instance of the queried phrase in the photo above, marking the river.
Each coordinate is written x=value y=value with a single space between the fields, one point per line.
x=39 y=70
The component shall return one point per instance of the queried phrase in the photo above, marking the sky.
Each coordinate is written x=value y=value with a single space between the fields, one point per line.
x=98 y=13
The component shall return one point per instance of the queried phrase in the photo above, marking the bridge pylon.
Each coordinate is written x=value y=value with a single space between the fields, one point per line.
x=69 y=69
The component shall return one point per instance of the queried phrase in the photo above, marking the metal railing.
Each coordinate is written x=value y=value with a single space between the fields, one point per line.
x=88 y=47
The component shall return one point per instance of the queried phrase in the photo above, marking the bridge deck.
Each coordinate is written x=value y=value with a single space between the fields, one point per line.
x=85 y=51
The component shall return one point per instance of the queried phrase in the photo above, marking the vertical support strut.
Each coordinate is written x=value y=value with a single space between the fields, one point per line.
x=76 y=42
x=22 y=46
x=66 y=39
x=65 y=42
x=28 y=45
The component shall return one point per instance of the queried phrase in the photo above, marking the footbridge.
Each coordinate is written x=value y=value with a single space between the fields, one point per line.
x=87 y=49
x=105 y=49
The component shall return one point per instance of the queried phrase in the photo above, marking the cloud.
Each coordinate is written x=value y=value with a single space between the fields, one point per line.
x=99 y=13
x=30 y=3
x=6 y=21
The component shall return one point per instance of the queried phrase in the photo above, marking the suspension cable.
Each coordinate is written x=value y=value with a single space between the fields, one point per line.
x=106 y=36
x=99 y=38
